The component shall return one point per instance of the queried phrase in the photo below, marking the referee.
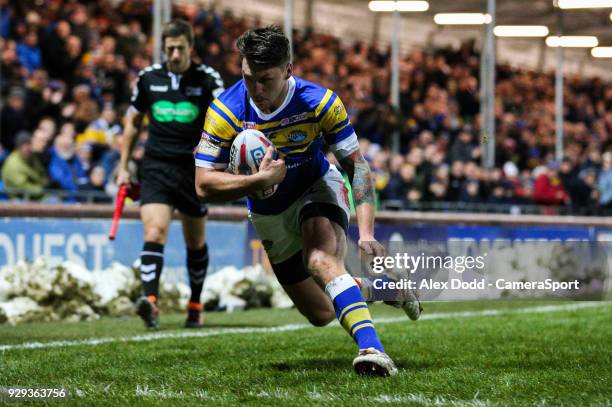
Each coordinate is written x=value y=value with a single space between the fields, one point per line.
x=174 y=96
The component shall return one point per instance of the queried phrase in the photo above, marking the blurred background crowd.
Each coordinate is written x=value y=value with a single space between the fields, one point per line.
x=68 y=67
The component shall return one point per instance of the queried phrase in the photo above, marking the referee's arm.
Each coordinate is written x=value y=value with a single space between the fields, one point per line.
x=132 y=122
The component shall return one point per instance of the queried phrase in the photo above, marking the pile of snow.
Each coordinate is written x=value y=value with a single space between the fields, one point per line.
x=36 y=292
x=232 y=289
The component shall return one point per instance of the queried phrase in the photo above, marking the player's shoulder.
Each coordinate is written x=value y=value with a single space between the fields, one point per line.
x=233 y=98
x=208 y=75
x=311 y=93
x=206 y=70
x=151 y=70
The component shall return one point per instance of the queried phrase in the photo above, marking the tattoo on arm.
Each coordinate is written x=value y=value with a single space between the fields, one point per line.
x=360 y=177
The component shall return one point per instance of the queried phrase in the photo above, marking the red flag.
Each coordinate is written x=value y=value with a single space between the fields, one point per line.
x=122 y=193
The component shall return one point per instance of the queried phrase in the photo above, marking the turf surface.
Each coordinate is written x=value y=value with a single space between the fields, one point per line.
x=543 y=357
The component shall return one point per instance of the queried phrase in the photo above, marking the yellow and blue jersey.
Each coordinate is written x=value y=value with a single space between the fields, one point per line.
x=309 y=115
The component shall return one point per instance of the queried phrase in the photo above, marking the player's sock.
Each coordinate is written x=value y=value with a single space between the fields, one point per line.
x=371 y=293
x=363 y=285
x=353 y=312
x=197 y=264
x=151 y=264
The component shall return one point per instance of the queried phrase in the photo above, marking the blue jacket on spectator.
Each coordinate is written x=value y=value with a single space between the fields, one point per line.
x=109 y=161
x=30 y=57
x=68 y=174
x=6 y=14
x=604 y=183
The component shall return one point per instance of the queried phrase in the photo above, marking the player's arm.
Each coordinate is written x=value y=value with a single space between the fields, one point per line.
x=132 y=122
x=213 y=184
x=362 y=185
x=131 y=127
x=219 y=186
x=340 y=135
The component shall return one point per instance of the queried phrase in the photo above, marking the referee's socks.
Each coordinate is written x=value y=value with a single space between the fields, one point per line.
x=197 y=264
x=151 y=264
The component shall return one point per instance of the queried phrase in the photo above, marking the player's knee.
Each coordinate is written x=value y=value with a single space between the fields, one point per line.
x=318 y=260
x=194 y=241
x=156 y=234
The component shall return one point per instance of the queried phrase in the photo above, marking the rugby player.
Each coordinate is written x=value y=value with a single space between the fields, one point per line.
x=303 y=225
x=174 y=96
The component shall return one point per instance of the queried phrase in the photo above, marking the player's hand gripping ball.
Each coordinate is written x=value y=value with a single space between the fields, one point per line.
x=248 y=149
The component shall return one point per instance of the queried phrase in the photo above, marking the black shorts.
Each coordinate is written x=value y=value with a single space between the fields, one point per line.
x=171 y=183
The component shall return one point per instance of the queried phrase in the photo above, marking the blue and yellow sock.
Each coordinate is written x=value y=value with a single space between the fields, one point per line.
x=371 y=293
x=353 y=312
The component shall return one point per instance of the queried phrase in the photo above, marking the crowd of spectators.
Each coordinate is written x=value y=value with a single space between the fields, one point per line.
x=67 y=70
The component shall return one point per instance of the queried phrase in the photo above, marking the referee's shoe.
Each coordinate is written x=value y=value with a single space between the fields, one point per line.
x=148 y=310
x=194 y=315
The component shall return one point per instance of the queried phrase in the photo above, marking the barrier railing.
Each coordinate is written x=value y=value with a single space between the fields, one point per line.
x=231 y=213
x=53 y=197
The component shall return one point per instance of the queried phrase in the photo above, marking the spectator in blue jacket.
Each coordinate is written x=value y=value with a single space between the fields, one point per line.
x=604 y=182
x=29 y=53
x=65 y=169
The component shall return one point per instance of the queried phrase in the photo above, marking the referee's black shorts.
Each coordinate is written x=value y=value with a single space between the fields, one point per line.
x=171 y=182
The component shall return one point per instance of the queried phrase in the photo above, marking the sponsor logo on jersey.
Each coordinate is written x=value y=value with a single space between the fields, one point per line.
x=296 y=136
x=183 y=112
x=213 y=139
x=206 y=147
x=193 y=91
x=158 y=88
x=298 y=163
x=293 y=119
x=249 y=125
x=338 y=110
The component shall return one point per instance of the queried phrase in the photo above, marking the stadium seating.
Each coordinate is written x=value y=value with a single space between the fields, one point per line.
x=82 y=95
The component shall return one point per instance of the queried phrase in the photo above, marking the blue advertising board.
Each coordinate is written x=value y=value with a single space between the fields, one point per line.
x=85 y=242
x=234 y=243
x=435 y=233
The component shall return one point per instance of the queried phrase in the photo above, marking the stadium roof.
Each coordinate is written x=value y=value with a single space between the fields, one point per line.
x=351 y=20
x=511 y=12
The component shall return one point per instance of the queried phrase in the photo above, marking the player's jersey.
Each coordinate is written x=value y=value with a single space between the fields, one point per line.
x=175 y=105
x=309 y=115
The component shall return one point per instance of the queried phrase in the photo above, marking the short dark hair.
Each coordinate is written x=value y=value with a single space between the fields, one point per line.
x=265 y=47
x=176 y=28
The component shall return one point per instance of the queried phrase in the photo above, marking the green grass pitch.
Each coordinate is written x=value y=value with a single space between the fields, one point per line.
x=457 y=355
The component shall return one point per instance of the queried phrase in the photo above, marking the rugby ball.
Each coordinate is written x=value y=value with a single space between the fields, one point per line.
x=248 y=149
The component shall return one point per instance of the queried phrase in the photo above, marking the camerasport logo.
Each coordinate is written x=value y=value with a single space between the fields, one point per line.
x=183 y=112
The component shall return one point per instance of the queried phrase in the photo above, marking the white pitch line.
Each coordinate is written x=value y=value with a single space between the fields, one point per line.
x=290 y=327
x=488 y=312
x=314 y=396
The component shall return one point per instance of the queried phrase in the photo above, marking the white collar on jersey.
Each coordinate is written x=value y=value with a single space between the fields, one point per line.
x=268 y=116
x=175 y=79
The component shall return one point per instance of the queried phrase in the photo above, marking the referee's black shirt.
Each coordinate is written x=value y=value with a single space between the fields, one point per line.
x=175 y=105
